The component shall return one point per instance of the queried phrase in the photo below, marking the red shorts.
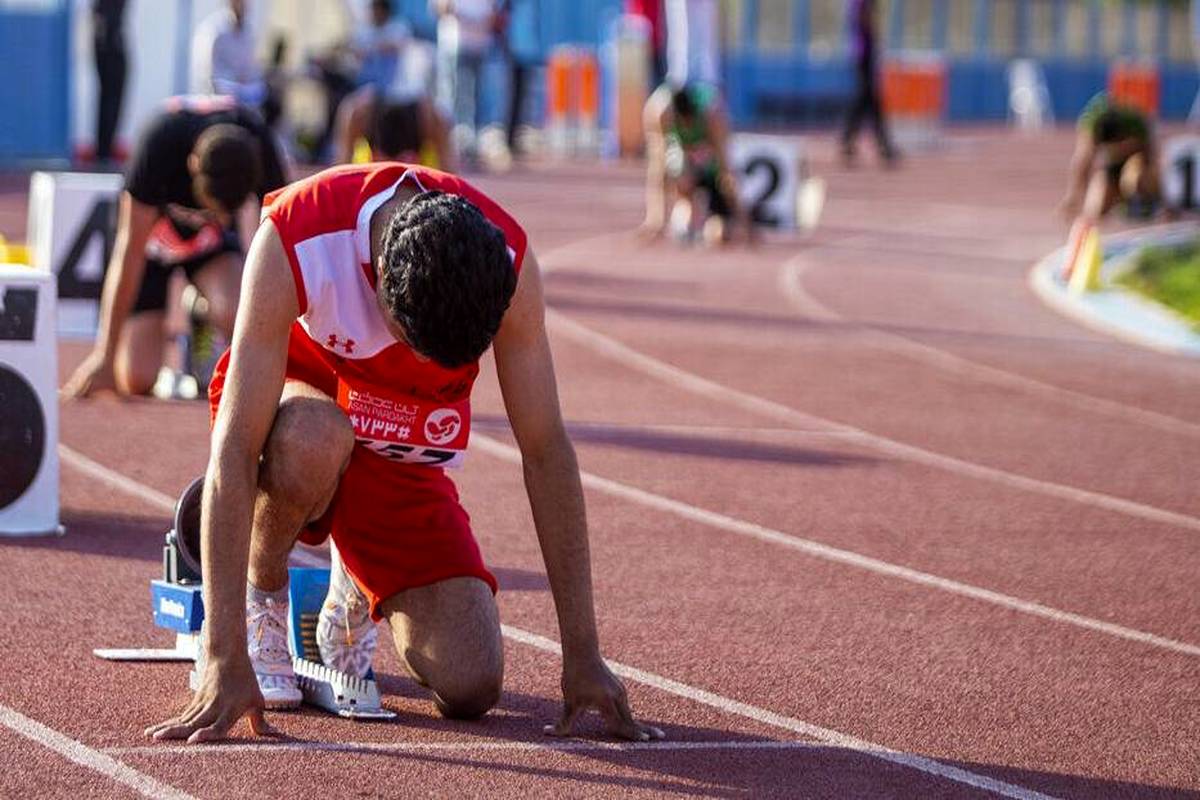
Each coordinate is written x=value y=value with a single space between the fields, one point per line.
x=397 y=526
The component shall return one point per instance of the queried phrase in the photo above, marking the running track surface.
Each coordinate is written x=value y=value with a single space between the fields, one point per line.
x=866 y=520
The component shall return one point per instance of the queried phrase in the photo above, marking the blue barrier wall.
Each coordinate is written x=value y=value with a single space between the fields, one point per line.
x=34 y=92
x=784 y=61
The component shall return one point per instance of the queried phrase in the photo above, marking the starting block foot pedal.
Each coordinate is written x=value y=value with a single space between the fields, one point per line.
x=326 y=688
x=339 y=693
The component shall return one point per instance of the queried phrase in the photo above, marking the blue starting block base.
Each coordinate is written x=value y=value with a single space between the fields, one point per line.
x=177 y=607
x=307 y=587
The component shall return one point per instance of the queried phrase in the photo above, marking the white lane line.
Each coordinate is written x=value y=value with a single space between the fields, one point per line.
x=848 y=557
x=826 y=735
x=627 y=356
x=86 y=757
x=117 y=480
x=791 y=278
x=741 y=434
x=831 y=737
x=569 y=746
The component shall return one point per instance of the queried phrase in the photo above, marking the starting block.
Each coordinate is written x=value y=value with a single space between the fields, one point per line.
x=178 y=605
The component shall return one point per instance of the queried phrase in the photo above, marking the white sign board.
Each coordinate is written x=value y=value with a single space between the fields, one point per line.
x=768 y=170
x=1181 y=172
x=29 y=390
x=72 y=218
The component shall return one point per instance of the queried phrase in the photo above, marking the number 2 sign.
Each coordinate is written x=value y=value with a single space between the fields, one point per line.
x=768 y=170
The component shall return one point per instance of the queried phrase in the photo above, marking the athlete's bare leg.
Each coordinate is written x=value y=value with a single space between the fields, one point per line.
x=435 y=129
x=448 y=636
x=353 y=117
x=140 y=352
x=220 y=282
x=305 y=455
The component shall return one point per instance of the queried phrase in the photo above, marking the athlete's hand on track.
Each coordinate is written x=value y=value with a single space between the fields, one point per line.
x=95 y=374
x=589 y=683
x=651 y=231
x=1068 y=207
x=227 y=693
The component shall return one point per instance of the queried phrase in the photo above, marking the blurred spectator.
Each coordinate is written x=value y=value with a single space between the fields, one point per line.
x=378 y=46
x=108 y=41
x=465 y=33
x=224 y=59
x=522 y=45
x=866 y=102
x=693 y=42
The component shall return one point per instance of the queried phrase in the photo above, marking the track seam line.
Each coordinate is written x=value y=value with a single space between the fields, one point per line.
x=569 y=746
x=791 y=277
x=95 y=760
x=626 y=355
x=848 y=557
x=827 y=735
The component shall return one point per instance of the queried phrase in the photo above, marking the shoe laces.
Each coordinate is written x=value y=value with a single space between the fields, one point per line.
x=351 y=603
x=270 y=629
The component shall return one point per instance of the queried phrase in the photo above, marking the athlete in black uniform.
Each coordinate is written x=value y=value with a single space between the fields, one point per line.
x=194 y=167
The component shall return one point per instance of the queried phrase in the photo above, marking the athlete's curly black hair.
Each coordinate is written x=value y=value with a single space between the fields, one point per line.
x=446 y=277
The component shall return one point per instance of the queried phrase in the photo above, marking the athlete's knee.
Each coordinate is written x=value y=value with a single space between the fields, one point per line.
x=137 y=379
x=309 y=445
x=470 y=690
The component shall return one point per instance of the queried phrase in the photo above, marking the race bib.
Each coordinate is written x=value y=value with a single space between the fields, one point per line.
x=407 y=429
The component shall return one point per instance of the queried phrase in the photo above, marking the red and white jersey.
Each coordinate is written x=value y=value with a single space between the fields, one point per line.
x=403 y=407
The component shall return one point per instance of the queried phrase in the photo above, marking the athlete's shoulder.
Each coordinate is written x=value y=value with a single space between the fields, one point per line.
x=321 y=203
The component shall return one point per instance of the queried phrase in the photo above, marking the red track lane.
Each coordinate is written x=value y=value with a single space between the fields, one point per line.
x=1042 y=704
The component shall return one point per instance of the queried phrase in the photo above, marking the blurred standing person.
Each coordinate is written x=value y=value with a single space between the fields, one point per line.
x=652 y=12
x=524 y=52
x=693 y=42
x=866 y=102
x=108 y=42
x=464 y=36
x=223 y=57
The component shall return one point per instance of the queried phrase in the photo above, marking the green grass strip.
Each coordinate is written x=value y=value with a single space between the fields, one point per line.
x=1169 y=275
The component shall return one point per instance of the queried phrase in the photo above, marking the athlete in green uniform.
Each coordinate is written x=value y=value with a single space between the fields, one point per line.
x=686 y=132
x=1115 y=160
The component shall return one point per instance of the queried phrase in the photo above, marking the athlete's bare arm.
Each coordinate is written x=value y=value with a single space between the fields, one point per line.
x=654 y=126
x=122 y=281
x=253 y=385
x=526 y=373
x=1078 y=174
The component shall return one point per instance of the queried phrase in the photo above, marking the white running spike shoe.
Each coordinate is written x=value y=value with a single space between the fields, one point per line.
x=346 y=634
x=266 y=639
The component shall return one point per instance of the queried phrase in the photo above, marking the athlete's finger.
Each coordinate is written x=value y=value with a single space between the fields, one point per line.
x=623 y=708
x=191 y=710
x=566 y=724
x=621 y=725
x=185 y=729
x=260 y=725
x=215 y=731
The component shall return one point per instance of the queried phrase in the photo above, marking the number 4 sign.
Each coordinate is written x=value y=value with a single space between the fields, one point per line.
x=1181 y=172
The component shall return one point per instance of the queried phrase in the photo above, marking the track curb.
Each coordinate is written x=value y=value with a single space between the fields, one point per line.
x=1119 y=312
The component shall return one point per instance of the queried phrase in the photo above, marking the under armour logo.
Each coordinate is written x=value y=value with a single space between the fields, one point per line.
x=333 y=342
